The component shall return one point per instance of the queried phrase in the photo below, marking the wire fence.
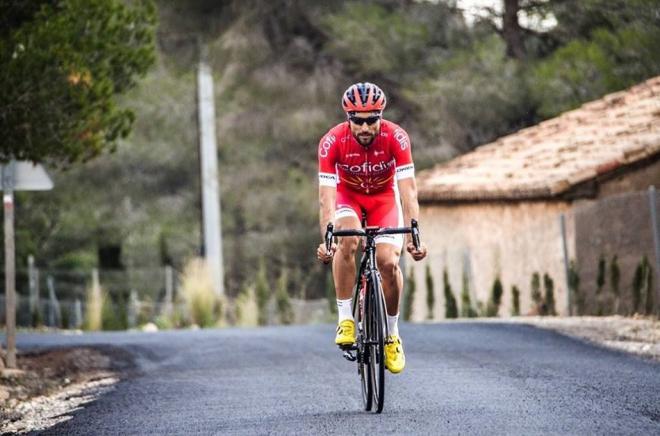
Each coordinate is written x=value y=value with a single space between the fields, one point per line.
x=59 y=298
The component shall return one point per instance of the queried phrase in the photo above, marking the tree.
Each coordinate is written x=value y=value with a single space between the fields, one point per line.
x=515 y=296
x=549 y=299
x=511 y=30
x=615 y=278
x=537 y=298
x=467 y=311
x=493 y=306
x=451 y=308
x=430 y=293
x=574 y=286
x=409 y=296
x=64 y=65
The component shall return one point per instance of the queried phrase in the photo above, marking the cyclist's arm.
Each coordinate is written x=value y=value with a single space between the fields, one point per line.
x=327 y=154
x=408 y=193
x=327 y=199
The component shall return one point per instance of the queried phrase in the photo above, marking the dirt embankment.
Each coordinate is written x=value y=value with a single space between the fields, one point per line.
x=51 y=384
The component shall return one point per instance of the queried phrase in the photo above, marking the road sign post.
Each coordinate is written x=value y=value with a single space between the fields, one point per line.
x=16 y=176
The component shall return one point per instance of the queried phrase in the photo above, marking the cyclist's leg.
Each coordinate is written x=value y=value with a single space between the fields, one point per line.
x=386 y=212
x=343 y=265
x=387 y=257
x=343 y=269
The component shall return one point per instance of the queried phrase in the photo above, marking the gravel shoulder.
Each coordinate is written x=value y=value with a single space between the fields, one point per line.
x=639 y=336
x=50 y=384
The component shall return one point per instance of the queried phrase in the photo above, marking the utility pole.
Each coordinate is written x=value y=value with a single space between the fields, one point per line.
x=10 y=262
x=210 y=182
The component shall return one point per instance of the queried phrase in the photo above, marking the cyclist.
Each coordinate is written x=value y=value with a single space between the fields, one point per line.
x=365 y=164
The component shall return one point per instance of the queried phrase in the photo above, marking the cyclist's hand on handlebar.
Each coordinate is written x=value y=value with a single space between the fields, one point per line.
x=417 y=254
x=322 y=252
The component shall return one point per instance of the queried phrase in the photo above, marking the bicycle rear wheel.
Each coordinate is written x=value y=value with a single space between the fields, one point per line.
x=377 y=341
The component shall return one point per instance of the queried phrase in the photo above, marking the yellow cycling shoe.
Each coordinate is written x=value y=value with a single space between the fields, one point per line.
x=395 y=360
x=345 y=332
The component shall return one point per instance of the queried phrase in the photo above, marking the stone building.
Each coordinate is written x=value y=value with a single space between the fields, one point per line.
x=495 y=212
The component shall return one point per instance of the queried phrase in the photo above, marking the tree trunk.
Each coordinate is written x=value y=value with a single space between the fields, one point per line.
x=511 y=31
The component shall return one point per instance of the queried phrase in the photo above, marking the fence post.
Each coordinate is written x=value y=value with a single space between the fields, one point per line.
x=569 y=297
x=169 y=290
x=32 y=286
x=77 y=314
x=54 y=314
x=656 y=244
x=133 y=309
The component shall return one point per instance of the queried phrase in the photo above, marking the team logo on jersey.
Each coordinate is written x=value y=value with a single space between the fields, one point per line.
x=326 y=144
x=402 y=138
x=367 y=167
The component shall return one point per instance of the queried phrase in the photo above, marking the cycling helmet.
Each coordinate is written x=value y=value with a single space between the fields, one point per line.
x=363 y=97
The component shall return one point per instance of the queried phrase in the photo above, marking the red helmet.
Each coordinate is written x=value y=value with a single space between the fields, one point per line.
x=363 y=97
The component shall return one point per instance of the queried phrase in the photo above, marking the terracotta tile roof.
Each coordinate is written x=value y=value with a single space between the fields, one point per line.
x=550 y=158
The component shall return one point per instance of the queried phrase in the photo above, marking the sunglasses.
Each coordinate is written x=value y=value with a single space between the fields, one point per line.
x=360 y=121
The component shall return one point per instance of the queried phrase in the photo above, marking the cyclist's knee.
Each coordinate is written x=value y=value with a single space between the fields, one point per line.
x=347 y=247
x=388 y=267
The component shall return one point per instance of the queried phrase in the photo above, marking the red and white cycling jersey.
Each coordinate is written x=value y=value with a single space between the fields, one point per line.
x=365 y=178
x=345 y=164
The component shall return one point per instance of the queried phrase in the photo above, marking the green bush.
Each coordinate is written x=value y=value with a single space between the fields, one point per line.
x=198 y=293
x=409 y=296
x=496 y=292
x=284 y=309
x=247 y=310
x=111 y=318
x=430 y=292
x=262 y=292
x=164 y=322
x=515 y=297
x=451 y=308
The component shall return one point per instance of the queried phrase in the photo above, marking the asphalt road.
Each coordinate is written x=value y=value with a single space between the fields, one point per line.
x=461 y=378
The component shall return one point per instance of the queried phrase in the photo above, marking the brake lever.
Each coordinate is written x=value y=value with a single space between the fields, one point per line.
x=328 y=237
x=415 y=233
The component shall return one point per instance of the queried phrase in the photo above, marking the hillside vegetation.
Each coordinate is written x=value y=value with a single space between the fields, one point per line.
x=280 y=67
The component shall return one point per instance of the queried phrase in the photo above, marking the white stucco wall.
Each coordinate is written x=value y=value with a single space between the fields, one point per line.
x=510 y=239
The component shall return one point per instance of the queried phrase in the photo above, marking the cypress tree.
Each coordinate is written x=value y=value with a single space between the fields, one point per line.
x=451 y=308
x=430 y=293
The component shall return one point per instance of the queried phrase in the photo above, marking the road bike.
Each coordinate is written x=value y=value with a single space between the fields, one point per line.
x=369 y=311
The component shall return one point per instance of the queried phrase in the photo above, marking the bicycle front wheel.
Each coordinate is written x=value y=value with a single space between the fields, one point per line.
x=364 y=353
x=377 y=329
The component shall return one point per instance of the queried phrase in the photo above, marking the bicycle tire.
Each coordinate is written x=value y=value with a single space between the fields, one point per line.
x=377 y=339
x=366 y=380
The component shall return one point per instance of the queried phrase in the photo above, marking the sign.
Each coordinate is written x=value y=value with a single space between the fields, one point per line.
x=25 y=176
